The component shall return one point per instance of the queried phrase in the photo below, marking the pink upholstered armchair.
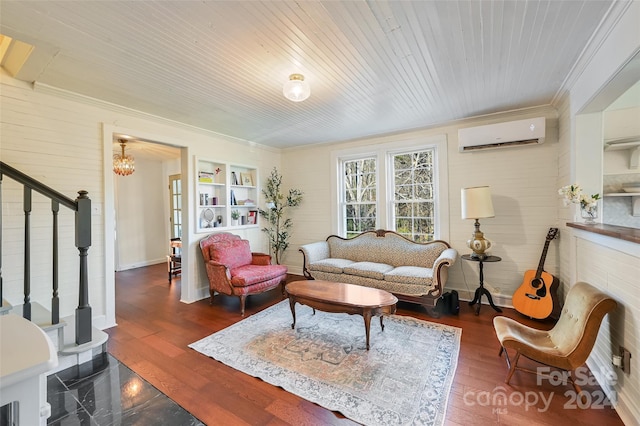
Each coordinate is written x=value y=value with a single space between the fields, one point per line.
x=234 y=270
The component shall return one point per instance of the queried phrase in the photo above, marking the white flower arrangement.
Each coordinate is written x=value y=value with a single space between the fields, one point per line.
x=573 y=194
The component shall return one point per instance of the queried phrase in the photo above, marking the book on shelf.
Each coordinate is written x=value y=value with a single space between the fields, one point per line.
x=206 y=177
x=252 y=217
x=234 y=178
x=232 y=199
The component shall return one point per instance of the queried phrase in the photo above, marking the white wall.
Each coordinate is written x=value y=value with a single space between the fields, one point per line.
x=65 y=141
x=523 y=183
x=141 y=216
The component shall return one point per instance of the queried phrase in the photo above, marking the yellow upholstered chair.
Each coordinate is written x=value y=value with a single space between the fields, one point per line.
x=568 y=344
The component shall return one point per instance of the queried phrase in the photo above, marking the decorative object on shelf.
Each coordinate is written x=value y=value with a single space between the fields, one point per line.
x=572 y=194
x=296 y=89
x=235 y=215
x=246 y=179
x=123 y=164
x=208 y=216
x=476 y=204
x=234 y=178
x=278 y=224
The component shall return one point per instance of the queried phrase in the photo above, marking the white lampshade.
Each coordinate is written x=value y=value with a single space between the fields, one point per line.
x=296 y=89
x=476 y=202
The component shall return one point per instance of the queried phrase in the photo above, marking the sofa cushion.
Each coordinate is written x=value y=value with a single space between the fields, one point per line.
x=232 y=253
x=246 y=275
x=368 y=269
x=410 y=275
x=332 y=265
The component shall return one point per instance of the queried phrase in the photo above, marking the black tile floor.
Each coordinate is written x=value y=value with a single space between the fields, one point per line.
x=106 y=392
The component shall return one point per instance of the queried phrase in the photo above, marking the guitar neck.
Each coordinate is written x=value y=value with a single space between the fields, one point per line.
x=543 y=257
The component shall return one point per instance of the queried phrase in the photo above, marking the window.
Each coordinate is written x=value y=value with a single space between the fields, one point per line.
x=394 y=187
x=413 y=195
x=175 y=208
x=359 y=192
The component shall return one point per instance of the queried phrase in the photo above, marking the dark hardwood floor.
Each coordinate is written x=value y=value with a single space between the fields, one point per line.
x=154 y=329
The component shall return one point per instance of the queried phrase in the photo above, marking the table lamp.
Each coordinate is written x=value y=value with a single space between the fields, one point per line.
x=476 y=204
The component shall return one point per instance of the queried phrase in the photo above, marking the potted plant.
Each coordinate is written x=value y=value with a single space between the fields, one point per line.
x=278 y=224
x=235 y=215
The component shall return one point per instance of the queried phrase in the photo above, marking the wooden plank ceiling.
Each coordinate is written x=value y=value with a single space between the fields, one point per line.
x=374 y=67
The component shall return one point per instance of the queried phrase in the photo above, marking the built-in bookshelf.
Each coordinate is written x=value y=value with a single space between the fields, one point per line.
x=224 y=189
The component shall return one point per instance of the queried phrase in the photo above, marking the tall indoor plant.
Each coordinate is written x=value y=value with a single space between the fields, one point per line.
x=277 y=204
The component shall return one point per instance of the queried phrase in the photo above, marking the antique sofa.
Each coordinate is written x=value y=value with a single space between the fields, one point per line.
x=414 y=272
x=234 y=270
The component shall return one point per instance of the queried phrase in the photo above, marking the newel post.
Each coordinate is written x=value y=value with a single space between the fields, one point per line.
x=83 y=242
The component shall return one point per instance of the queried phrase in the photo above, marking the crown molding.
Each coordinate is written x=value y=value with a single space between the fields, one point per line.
x=87 y=100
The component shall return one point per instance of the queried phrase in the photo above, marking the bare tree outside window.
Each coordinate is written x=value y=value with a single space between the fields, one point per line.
x=414 y=195
x=360 y=196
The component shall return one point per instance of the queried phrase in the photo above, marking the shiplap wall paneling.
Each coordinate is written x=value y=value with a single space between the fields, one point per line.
x=615 y=273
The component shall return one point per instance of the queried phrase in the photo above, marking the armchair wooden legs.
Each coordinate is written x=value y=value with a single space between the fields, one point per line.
x=513 y=366
x=243 y=299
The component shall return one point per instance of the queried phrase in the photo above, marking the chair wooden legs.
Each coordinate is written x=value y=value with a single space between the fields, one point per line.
x=243 y=298
x=513 y=367
x=510 y=365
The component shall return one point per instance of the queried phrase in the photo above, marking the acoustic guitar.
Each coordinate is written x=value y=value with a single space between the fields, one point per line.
x=537 y=297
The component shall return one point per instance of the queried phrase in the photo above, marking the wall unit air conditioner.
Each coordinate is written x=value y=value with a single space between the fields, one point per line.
x=502 y=135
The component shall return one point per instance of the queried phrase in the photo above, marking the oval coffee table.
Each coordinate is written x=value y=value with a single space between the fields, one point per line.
x=328 y=296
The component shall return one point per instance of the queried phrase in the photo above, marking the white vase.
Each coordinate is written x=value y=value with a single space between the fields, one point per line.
x=234 y=222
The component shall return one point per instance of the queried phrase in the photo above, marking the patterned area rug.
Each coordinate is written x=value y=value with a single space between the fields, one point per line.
x=403 y=379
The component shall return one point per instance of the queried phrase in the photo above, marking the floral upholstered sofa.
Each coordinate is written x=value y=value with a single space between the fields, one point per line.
x=414 y=272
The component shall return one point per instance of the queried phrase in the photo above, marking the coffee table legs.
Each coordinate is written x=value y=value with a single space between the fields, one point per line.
x=292 y=304
x=366 y=313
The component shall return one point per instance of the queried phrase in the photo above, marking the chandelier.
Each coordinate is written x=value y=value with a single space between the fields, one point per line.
x=123 y=165
x=296 y=89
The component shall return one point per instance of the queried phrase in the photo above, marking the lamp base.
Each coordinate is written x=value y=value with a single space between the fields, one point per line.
x=479 y=256
x=478 y=243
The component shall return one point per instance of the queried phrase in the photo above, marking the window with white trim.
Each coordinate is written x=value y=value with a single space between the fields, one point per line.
x=399 y=187
x=359 y=195
x=413 y=212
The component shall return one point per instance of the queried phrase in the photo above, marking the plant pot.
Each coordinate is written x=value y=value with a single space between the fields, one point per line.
x=234 y=222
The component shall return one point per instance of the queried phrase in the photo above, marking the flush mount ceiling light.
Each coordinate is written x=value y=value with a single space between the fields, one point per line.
x=123 y=165
x=296 y=89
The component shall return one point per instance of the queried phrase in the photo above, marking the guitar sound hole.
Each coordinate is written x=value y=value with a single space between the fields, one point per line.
x=535 y=283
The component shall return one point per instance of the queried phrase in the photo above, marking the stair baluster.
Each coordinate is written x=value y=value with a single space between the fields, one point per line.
x=82 y=208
